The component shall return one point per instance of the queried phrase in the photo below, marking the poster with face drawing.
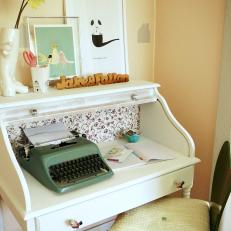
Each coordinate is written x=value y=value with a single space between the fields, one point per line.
x=102 y=38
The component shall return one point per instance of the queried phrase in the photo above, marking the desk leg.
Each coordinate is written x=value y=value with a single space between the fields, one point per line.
x=8 y=221
x=30 y=225
x=186 y=192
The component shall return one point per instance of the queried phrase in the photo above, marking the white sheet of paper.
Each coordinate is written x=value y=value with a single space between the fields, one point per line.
x=52 y=133
x=150 y=150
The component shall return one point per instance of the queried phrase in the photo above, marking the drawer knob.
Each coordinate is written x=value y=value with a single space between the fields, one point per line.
x=75 y=224
x=134 y=97
x=179 y=184
x=34 y=112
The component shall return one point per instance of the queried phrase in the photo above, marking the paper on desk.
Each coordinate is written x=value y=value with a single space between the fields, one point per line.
x=52 y=134
x=150 y=150
x=131 y=162
x=117 y=153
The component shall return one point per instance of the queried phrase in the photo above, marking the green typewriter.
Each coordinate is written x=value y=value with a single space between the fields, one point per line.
x=66 y=166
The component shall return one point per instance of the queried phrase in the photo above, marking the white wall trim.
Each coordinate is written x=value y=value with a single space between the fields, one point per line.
x=1 y=216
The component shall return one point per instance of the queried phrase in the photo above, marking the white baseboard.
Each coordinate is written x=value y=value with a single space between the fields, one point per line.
x=1 y=216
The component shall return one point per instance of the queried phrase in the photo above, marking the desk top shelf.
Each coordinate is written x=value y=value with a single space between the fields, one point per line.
x=54 y=95
x=25 y=105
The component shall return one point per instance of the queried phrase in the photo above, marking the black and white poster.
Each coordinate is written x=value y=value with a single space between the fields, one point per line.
x=102 y=35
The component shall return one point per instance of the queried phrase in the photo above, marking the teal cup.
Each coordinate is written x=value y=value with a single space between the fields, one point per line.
x=133 y=138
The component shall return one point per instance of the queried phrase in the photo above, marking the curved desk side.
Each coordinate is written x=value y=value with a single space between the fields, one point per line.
x=13 y=186
x=159 y=124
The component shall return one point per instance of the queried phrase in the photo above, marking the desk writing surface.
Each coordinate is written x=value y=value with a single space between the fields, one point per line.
x=44 y=200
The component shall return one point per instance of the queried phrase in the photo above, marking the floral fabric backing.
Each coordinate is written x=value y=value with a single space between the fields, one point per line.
x=99 y=125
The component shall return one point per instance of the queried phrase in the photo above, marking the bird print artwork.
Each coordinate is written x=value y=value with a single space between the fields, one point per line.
x=56 y=50
x=55 y=57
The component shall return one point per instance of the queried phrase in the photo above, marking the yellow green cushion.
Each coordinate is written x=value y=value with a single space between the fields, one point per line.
x=168 y=214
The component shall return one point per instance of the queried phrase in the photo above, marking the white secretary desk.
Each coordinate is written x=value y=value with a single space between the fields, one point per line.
x=38 y=209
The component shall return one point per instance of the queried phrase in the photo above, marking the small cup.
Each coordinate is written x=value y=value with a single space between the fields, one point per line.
x=40 y=78
x=133 y=138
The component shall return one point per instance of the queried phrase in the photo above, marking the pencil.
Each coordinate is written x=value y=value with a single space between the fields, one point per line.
x=113 y=160
x=138 y=156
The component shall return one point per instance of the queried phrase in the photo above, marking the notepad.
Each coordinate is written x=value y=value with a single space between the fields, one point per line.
x=149 y=150
x=117 y=153
x=130 y=162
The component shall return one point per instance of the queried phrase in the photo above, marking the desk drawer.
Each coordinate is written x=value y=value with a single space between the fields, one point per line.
x=92 y=211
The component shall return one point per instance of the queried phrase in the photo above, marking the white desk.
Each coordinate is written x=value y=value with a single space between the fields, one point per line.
x=39 y=209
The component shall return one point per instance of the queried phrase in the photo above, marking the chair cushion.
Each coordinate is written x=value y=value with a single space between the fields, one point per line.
x=167 y=214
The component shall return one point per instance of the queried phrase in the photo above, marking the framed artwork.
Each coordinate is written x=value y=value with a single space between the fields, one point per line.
x=56 y=44
x=102 y=34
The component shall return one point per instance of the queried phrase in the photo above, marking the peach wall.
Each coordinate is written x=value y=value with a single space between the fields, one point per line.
x=189 y=39
x=9 y=10
x=140 y=52
x=223 y=125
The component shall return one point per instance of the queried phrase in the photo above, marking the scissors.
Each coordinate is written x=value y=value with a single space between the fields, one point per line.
x=30 y=58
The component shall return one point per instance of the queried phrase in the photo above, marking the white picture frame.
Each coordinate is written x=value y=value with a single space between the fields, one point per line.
x=102 y=30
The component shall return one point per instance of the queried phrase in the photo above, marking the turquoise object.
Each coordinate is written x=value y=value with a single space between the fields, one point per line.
x=133 y=138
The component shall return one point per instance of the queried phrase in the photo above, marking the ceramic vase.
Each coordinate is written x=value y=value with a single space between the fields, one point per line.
x=40 y=78
x=9 y=49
